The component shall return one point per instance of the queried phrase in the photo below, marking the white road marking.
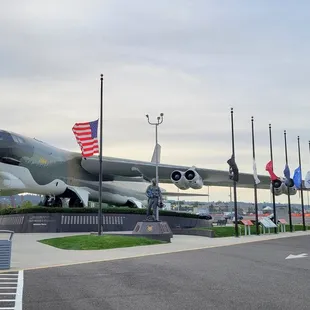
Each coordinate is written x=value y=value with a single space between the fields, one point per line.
x=19 y=291
x=291 y=256
x=16 y=286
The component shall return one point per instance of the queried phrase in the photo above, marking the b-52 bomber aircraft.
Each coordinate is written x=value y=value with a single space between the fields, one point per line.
x=28 y=165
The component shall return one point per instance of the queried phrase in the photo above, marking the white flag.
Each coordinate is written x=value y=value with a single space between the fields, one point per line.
x=256 y=179
x=307 y=180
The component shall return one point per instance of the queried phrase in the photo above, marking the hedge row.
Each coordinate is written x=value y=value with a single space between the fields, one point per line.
x=116 y=210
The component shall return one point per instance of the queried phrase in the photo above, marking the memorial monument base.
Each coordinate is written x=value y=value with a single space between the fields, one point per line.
x=153 y=229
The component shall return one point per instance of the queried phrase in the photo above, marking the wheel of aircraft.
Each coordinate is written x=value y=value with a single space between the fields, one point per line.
x=51 y=201
x=75 y=202
x=57 y=202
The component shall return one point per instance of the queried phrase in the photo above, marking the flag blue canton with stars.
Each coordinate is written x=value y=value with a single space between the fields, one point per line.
x=94 y=128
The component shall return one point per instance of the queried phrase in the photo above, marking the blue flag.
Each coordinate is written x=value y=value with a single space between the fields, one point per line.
x=287 y=174
x=297 y=177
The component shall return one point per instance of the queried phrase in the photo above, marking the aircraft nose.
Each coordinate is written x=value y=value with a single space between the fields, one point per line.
x=13 y=148
x=6 y=144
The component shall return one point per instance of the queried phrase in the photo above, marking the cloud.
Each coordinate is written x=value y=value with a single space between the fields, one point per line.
x=191 y=60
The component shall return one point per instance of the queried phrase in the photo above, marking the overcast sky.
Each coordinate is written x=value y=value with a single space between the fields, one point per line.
x=192 y=60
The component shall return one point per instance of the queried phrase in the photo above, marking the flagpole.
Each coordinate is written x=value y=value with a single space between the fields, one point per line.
x=100 y=158
x=273 y=195
x=301 y=188
x=255 y=185
x=235 y=183
x=288 y=192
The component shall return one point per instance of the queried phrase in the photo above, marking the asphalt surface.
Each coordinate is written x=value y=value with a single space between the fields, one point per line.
x=248 y=276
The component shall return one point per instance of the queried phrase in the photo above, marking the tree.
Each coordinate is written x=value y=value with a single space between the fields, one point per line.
x=26 y=204
x=211 y=208
x=251 y=209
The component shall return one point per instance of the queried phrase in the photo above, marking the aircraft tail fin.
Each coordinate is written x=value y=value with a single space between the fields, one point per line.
x=158 y=149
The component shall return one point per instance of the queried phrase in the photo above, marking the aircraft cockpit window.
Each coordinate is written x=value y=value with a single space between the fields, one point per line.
x=4 y=136
x=18 y=139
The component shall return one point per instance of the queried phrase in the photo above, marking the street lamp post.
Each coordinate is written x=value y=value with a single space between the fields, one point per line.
x=160 y=119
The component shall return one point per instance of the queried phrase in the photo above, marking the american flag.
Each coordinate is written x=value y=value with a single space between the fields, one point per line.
x=86 y=137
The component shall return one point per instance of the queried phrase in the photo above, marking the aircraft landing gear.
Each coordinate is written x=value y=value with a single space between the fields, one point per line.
x=57 y=202
x=52 y=201
x=75 y=202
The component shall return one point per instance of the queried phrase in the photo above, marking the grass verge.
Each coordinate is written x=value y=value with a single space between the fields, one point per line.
x=92 y=242
x=219 y=232
x=229 y=231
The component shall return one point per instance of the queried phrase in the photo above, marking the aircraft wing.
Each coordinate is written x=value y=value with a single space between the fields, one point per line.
x=114 y=168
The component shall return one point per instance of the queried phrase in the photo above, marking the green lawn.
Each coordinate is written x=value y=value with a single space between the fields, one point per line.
x=93 y=242
x=229 y=231
x=220 y=231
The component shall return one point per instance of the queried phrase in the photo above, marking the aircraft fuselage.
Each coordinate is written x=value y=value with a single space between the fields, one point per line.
x=29 y=165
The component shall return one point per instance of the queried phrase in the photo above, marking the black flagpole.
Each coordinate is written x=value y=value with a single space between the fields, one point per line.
x=273 y=195
x=288 y=192
x=100 y=159
x=301 y=188
x=255 y=185
x=235 y=183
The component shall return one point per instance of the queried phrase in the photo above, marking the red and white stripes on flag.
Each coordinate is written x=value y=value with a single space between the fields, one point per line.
x=86 y=136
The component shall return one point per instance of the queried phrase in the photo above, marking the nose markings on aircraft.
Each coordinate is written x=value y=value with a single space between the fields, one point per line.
x=11 y=290
x=43 y=161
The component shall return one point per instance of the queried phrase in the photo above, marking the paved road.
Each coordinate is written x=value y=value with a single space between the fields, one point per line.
x=248 y=276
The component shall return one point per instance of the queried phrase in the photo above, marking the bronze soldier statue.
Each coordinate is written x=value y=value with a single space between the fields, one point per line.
x=153 y=193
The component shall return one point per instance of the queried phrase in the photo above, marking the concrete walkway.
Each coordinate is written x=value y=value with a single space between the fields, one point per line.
x=27 y=253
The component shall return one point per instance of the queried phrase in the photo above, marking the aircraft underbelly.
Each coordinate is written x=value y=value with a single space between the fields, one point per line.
x=118 y=193
x=20 y=179
x=16 y=179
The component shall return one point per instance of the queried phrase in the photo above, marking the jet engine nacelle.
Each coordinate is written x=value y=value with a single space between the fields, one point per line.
x=290 y=188
x=178 y=179
x=279 y=187
x=193 y=178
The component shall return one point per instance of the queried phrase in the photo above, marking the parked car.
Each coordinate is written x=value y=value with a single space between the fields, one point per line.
x=231 y=216
x=204 y=216
x=239 y=217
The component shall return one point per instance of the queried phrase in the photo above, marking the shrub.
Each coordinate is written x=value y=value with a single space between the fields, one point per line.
x=116 y=210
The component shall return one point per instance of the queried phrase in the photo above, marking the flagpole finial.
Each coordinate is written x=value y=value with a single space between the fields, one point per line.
x=231 y=110
x=284 y=131
x=101 y=76
x=269 y=126
x=252 y=118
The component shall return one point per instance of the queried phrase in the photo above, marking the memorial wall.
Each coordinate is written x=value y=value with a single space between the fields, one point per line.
x=86 y=222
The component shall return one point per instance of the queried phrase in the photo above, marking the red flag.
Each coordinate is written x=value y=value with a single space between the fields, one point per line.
x=269 y=168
